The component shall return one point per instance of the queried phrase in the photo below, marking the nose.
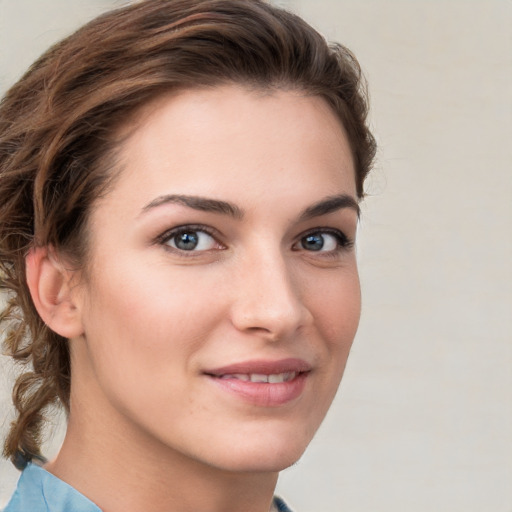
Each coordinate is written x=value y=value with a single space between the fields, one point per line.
x=269 y=298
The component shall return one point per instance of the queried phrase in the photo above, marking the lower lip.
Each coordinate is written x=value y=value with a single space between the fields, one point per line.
x=264 y=394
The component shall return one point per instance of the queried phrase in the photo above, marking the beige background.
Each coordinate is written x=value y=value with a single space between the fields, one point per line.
x=423 y=422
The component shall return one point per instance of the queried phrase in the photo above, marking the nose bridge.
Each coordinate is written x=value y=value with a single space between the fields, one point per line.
x=269 y=296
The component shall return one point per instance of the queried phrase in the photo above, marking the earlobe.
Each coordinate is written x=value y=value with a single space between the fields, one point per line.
x=51 y=289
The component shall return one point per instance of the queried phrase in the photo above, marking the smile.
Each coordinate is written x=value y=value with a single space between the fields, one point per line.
x=274 y=378
x=263 y=383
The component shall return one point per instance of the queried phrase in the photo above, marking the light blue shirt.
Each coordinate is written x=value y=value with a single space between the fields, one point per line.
x=40 y=491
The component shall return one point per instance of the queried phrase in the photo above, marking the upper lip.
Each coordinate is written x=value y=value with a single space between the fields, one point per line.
x=261 y=366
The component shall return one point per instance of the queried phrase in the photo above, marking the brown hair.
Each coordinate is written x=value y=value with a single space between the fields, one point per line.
x=56 y=127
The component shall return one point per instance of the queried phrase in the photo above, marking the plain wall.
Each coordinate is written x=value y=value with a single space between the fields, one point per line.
x=423 y=420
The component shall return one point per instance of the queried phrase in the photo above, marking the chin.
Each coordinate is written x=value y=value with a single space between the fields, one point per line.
x=261 y=462
x=267 y=454
x=278 y=462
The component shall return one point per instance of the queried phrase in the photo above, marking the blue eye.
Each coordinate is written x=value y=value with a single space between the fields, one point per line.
x=323 y=241
x=190 y=240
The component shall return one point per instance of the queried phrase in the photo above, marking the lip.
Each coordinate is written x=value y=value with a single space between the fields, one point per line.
x=258 y=393
x=263 y=366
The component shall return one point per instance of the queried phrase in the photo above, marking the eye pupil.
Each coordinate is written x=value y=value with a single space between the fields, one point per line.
x=313 y=242
x=186 y=241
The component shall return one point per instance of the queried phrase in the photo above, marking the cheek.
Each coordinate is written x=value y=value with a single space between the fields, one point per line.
x=335 y=303
x=337 y=309
x=148 y=324
x=336 y=306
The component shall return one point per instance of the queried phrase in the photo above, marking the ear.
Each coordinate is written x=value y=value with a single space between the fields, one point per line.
x=50 y=285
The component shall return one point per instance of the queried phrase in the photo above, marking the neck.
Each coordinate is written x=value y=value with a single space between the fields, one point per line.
x=122 y=470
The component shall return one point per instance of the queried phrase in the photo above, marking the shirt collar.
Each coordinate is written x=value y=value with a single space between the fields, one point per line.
x=40 y=491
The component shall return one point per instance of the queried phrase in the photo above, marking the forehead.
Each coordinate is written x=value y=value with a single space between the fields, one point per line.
x=231 y=141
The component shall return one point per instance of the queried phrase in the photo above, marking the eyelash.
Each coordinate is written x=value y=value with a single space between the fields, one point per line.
x=164 y=238
x=344 y=242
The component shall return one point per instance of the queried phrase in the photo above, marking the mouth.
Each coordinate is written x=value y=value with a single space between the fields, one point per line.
x=274 y=378
x=263 y=383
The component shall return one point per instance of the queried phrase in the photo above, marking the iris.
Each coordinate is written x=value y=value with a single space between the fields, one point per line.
x=187 y=241
x=313 y=242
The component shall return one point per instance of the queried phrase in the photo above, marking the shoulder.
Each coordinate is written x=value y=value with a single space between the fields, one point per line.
x=27 y=495
x=40 y=491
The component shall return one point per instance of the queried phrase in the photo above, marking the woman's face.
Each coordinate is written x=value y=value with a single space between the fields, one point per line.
x=222 y=295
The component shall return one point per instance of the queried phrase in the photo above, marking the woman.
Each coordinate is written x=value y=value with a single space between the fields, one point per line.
x=179 y=200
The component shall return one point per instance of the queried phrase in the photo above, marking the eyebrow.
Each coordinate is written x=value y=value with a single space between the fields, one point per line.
x=328 y=205
x=198 y=203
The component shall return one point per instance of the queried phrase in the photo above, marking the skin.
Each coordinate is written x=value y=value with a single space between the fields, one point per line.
x=147 y=319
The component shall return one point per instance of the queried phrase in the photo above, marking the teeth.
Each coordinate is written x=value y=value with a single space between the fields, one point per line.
x=281 y=377
x=236 y=376
x=261 y=377
x=258 y=377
